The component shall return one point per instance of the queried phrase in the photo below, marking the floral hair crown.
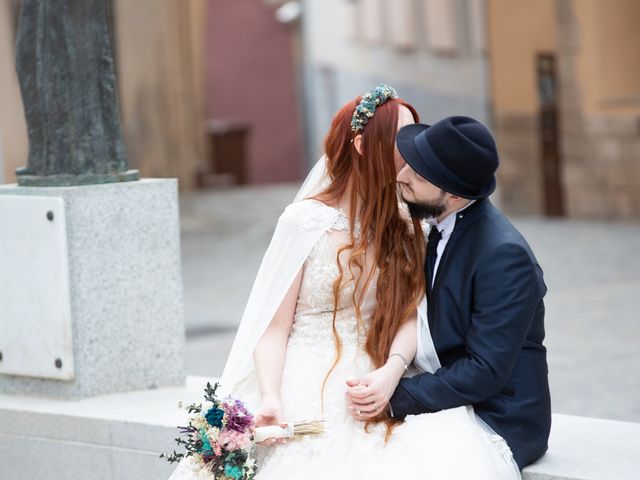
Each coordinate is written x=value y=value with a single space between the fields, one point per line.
x=368 y=104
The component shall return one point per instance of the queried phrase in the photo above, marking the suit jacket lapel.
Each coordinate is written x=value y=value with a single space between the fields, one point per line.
x=463 y=220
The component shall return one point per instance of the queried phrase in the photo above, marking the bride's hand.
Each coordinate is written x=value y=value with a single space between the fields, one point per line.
x=270 y=413
x=369 y=395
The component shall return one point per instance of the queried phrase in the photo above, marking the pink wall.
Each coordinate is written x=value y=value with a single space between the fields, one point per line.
x=250 y=77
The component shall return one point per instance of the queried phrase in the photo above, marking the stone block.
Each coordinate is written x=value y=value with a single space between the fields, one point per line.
x=110 y=437
x=123 y=434
x=589 y=448
x=631 y=152
x=624 y=127
x=607 y=151
x=72 y=461
x=574 y=149
x=125 y=281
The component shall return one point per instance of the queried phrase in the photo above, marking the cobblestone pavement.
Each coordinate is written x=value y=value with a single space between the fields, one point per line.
x=592 y=270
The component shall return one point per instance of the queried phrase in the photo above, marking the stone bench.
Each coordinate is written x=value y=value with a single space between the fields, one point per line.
x=119 y=437
x=589 y=448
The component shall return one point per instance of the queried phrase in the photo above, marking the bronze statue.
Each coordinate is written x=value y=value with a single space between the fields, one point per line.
x=66 y=73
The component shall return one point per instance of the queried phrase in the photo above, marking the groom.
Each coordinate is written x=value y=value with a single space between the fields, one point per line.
x=484 y=291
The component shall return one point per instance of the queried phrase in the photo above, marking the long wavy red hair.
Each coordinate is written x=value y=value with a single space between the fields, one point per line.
x=369 y=181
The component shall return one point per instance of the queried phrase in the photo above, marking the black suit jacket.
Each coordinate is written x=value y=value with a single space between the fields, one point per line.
x=486 y=317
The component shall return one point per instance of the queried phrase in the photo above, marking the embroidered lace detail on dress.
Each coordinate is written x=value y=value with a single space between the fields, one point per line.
x=502 y=447
x=310 y=214
x=313 y=319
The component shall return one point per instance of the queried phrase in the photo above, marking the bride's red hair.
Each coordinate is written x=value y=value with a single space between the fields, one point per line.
x=370 y=182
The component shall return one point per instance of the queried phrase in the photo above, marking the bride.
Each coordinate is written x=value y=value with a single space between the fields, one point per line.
x=336 y=299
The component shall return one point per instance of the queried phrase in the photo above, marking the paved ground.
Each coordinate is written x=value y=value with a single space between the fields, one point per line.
x=592 y=270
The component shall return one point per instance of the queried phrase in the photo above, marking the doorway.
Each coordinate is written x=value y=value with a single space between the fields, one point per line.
x=549 y=134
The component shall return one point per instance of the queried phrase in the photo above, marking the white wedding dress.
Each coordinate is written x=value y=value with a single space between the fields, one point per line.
x=450 y=444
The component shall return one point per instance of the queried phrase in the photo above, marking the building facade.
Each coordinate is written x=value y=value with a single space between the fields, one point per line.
x=558 y=81
x=252 y=89
x=565 y=78
x=432 y=51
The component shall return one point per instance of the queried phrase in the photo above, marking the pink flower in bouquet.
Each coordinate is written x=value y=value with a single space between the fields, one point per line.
x=217 y=449
x=233 y=440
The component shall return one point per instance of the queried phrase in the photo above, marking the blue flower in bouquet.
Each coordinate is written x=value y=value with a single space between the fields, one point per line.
x=232 y=471
x=206 y=444
x=214 y=417
x=238 y=418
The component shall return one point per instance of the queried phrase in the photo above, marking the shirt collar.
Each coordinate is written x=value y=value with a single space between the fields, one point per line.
x=446 y=225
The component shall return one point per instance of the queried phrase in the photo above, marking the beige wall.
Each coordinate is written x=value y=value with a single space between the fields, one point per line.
x=518 y=30
x=608 y=60
x=160 y=77
x=14 y=145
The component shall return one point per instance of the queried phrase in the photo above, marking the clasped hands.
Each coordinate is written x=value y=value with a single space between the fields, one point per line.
x=369 y=395
x=366 y=397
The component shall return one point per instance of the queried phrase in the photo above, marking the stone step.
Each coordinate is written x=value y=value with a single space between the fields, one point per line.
x=119 y=437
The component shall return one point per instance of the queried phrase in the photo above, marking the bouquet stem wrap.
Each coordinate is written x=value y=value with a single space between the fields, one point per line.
x=292 y=430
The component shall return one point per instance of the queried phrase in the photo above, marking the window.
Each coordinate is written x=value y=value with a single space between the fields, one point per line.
x=477 y=25
x=441 y=25
x=370 y=18
x=402 y=26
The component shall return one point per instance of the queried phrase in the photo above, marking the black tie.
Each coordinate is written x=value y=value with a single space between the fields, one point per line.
x=432 y=254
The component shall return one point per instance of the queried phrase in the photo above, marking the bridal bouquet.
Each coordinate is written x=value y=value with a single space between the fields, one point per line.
x=222 y=434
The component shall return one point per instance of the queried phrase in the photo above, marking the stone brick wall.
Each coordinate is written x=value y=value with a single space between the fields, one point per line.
x=602 y=168
x=519 y=176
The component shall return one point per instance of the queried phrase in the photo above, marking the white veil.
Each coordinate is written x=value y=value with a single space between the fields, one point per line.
x=289 y=248
x=316 y=181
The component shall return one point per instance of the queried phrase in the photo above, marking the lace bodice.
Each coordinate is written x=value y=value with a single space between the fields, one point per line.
x=314 y=311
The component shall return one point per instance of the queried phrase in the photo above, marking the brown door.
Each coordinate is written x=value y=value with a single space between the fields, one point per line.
x=549 y=134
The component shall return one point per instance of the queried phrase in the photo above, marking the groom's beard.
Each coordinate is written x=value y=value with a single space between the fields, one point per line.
x=424 y=210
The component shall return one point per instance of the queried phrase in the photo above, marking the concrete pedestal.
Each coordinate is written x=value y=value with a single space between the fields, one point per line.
x=125 y=286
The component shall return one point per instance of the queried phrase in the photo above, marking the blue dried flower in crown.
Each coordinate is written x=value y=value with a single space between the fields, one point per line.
x=368 y=104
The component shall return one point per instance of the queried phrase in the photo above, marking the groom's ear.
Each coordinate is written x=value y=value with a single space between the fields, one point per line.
x=454 y=198
x=459 y=202
x=357 y=142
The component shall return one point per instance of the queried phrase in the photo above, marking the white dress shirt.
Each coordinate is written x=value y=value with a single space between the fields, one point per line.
x=445 y=227
x=426 y=358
